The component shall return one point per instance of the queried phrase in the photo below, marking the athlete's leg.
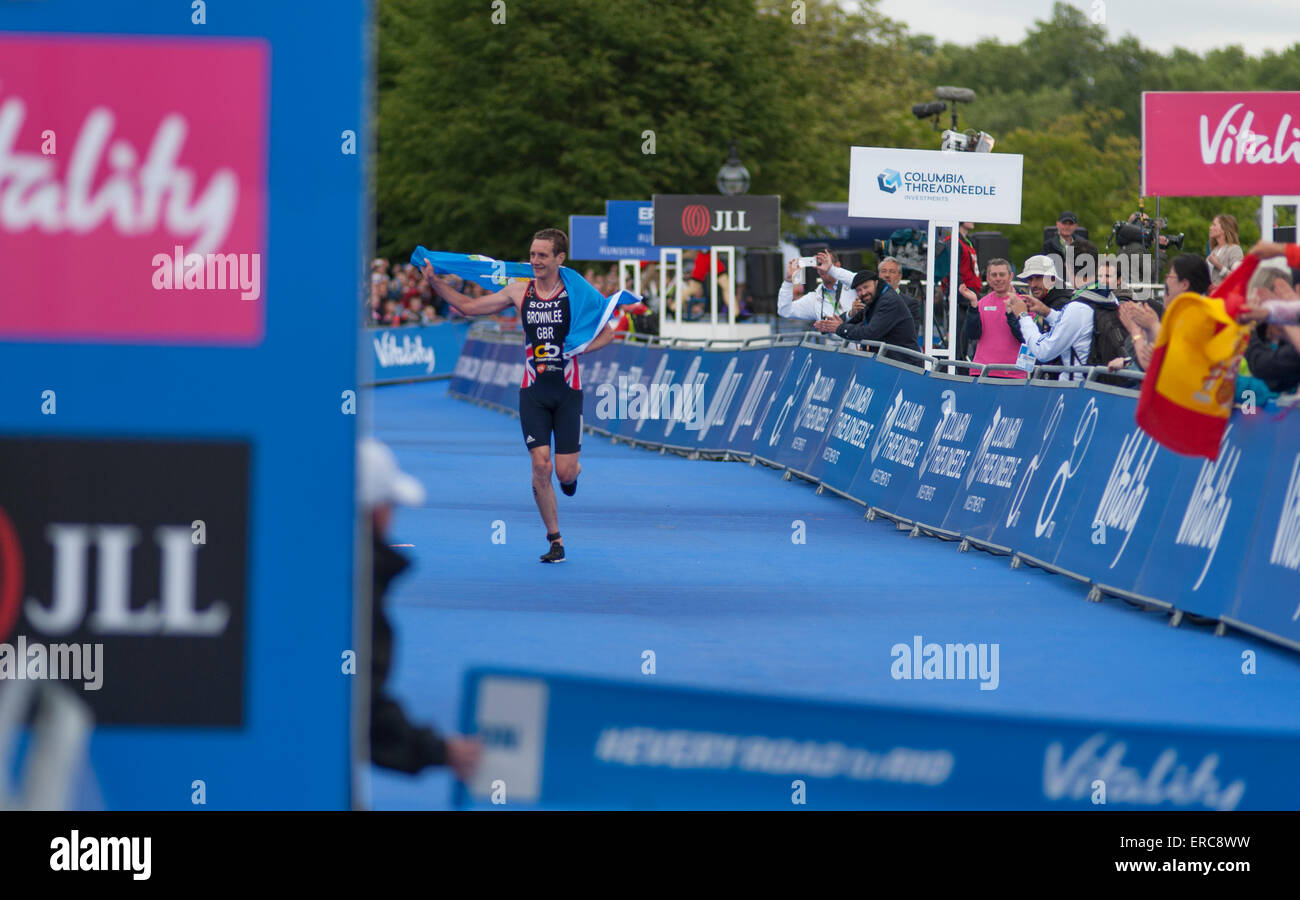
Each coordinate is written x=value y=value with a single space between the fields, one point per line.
x=567 y=468
x=543 y=492
x=568 y=440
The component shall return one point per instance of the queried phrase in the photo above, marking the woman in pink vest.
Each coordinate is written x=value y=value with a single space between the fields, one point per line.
x=993 y=325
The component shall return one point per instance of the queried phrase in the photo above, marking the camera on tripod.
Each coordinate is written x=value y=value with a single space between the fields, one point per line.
x=1139 y=233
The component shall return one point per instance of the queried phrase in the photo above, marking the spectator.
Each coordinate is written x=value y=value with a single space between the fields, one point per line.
x=1044 y=282
x=1225 y=247
x=1076 y=258
x=1142 y=322
x=1087 y=331
x=992 y=323
x=968 y=273
x=880 y=314
x=1273 y=354
x=697 y=287
x=1187 y=273
x=834 y=295
x=396 y=742
x=392 y=315
x=891 y=272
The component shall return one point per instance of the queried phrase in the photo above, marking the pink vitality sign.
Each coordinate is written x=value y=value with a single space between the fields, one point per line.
x=133 y=189
x=1220 y=144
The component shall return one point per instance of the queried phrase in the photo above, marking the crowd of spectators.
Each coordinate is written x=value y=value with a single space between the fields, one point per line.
x=1079 y=311
x=399 y=295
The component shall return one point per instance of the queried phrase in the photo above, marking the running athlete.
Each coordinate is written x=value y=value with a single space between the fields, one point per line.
x=550 y=398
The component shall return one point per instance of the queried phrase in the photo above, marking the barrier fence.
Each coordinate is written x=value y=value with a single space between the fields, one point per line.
x=411 y=352
x=1055 y=473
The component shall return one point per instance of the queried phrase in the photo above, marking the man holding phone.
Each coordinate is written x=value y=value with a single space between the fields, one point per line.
x=833 y=296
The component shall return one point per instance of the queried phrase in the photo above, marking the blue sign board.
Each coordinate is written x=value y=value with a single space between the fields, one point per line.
x=196 y=435
x=564 y=742
x=588 y=241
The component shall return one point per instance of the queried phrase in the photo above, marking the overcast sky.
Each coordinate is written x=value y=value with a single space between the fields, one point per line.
x=1257 y=25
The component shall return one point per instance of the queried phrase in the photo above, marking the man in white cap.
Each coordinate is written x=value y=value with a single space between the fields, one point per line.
x=1045 y=283
x=395 y=742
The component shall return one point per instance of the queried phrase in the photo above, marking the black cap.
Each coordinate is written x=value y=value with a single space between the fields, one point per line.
x=1068 y=216
x=864 y=276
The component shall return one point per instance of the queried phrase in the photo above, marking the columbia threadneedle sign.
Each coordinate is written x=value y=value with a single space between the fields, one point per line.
x=943 y=186
x=692 y=220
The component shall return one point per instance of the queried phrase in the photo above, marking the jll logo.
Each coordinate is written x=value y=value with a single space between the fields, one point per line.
x=174 y=613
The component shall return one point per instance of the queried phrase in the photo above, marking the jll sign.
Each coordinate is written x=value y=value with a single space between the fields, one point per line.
x=1220 y=144
x=691 y=220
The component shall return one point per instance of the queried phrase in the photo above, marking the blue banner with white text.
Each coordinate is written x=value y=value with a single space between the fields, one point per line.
x=1057 y=472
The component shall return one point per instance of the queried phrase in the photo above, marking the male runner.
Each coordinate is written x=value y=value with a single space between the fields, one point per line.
x=550 y=399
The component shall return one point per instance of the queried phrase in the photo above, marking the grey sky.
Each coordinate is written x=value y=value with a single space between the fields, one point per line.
x=1198 y=25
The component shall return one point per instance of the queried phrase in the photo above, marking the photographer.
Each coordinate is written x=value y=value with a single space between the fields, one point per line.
x=833 y=296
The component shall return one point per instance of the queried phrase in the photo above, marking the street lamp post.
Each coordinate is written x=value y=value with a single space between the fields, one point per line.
x=733 y=178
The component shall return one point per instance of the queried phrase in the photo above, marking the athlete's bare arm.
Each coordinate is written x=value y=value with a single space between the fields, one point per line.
x=511 y=294
x=601 y=339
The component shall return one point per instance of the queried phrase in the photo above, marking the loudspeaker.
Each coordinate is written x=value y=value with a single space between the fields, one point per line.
x=853 y=260
x=764 y=273
x=991 y=245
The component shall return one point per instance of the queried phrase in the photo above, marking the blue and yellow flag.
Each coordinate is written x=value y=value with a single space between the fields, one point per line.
x=589 y=310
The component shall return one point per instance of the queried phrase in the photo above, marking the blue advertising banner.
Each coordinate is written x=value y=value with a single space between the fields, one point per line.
x=193 y=424
x=1210 y=517
x=772 y=442
x=588 y=242
x=852 y=428
x=413 y=352
x=894 y=453
x=1009 y=438
x=1052 y=480
x=950 y=445
x=1055 y=471
x=467 y=366
x=630 y=223
x=720 y=395
x=1113 y=529
x=746 y=435
x=1268 y=592
x=562 y=742
x=816 y=407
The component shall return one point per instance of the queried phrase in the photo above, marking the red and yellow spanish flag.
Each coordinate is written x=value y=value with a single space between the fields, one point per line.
x=1187 y=395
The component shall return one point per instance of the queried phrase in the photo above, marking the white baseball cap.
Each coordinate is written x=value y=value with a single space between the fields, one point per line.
x=380 y=481
x=1039 y=265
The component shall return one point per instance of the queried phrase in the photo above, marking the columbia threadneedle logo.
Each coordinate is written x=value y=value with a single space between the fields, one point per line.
x=889 y=180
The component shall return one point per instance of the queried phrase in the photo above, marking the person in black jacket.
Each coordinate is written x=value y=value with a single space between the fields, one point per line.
x=1272 y=359
x=396 y=742
x=880 y=314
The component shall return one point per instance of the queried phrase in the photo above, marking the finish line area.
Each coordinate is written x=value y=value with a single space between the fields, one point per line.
x=694 y=560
